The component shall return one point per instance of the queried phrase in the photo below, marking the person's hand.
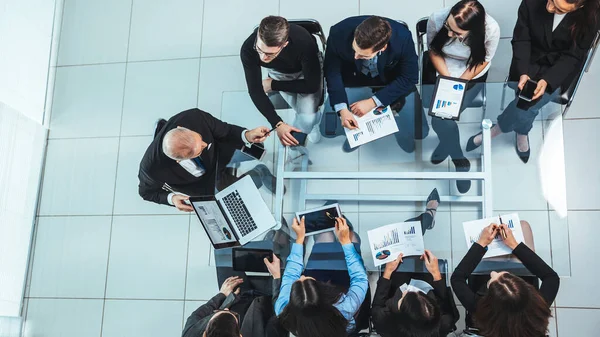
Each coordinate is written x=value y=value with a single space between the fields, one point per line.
x=391 y=266
x=431 y=263
x=522 y=80
x=300 y=230
x=267 y=85
x=487 y=235
x=179 y=202
x=348 y=120
x=274 y=267
x=540 y=89
x=360 y=108
x=284 y=132
x=510 y=240
x=257 y=135
x=230 y=284
x=342 y=231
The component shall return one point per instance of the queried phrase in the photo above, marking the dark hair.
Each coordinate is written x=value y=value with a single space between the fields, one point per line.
x=418 y=316
x=274 y=30
x=374 y=32
x=223 y=325
x=470 y=16
x=585 y=19
x=310 y=312
x=512 y=307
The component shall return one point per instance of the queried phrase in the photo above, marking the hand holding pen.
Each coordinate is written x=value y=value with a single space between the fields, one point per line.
x=508 y=238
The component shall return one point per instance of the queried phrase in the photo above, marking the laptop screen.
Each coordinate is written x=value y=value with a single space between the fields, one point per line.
x=214 y=222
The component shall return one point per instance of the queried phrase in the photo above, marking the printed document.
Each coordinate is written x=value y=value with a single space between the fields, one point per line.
x=497 y=247
x=388 y=241
x=372 y=126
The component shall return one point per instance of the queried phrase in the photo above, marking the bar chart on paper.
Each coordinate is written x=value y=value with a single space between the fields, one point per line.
x=389 y=239
x=374 y=125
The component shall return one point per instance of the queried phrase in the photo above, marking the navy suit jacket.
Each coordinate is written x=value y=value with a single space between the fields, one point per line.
x=398 y=65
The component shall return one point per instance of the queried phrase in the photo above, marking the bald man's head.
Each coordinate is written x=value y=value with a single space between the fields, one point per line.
x=182 y=143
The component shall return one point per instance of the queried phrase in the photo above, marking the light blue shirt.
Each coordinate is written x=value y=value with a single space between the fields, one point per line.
x=369 y=68
x=349 y=303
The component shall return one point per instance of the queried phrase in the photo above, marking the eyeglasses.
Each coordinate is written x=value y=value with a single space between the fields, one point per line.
x=235 y=314
x=267 y=54
x=461 y=38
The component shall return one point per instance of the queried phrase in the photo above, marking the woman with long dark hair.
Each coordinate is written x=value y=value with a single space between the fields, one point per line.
x=462 y=42
x=550 y=41
x=310 y=308
x=507 y=306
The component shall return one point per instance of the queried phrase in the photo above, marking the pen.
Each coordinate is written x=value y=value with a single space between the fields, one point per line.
x=329 y=216
x=502 y=229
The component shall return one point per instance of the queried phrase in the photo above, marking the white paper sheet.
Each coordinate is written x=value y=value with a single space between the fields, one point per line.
x=497 y=247
x=448 y=98
x=388 y=241
x=372 y=126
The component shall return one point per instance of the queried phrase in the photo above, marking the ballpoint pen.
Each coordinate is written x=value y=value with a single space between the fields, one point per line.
x=502 y=229
x=329 y=216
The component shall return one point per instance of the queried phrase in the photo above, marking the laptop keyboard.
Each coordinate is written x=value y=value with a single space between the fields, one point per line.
x=241 y=217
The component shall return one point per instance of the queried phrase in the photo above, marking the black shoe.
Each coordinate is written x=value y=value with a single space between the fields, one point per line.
x=471 y=143
x=439 y=155
x=523 y=155
x=462 y=165
x=406 y=143
x=160 y=123
x=346 y=147
x=432 y=196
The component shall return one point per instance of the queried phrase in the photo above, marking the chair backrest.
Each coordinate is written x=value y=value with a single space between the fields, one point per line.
x=567 y=96
x=313 y=27
x=403 y=23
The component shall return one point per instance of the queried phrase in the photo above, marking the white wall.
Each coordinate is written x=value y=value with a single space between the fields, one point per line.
x=27 y=50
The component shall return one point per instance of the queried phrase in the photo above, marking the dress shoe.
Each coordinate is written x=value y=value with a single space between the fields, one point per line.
x=471 y=143
x=523 y=155
x=434 y=195
x=439 y=155
x=462 y=165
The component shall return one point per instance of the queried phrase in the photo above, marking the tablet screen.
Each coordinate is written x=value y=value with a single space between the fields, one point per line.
x=251 y=260
x=320 y=219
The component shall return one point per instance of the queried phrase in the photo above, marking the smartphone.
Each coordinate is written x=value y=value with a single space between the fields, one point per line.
x=331 y=119
x=528 y=90
x=257 y=150
x=251 y=260
x=300 y=137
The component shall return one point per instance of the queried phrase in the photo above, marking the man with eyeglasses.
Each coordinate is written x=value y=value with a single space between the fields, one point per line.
x=371 y=51
x=292 y=57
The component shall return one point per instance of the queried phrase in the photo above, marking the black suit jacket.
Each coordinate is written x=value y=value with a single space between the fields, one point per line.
x=545 y=54
x=156 y=168
x=397 y=66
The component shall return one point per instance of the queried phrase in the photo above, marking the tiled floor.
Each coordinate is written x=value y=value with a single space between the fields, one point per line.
x=107 y=264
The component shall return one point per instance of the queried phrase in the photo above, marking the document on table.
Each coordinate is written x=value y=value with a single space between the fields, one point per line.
x=448 y=97
x=497 y=247
x=388 y=241
x=373 y=125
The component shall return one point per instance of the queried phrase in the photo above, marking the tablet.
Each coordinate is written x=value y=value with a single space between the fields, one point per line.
x=251 y=260
x=448 y=96
x=319 y=220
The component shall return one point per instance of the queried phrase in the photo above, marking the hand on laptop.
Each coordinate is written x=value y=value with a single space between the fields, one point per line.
x=179 y=202
x=361 y=108
x=274 y=267
x=230 y=284
x=342 y=231
x=300 y=230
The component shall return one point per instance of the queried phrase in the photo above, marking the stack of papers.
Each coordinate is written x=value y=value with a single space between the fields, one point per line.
x=388 y=241
x=497 y=247
x=372 y=126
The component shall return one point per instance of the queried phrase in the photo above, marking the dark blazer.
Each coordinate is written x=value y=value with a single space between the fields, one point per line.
x=545 y=54
x=398 y=65
x=198 y=320
x=381 y=315
x=156 y=168
x=531 y=261
x=260 y=319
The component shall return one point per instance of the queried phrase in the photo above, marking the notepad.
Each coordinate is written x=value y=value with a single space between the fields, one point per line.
x=497 y=247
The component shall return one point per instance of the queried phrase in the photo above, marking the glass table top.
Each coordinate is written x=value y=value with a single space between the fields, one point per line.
x=379 y=183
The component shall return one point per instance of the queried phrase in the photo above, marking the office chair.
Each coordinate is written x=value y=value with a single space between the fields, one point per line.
x=314 y=28
x=425 y=67
x=566 y=96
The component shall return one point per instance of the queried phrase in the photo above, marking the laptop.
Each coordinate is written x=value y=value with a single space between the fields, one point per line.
x=235 y=215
